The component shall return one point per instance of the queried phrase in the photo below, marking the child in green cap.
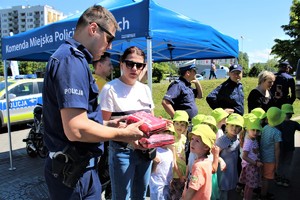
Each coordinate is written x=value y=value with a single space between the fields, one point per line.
x=251 y=163
x=287 y=146
x=269 y=148
x=180 y=122
x=199 y=186
x=261 y=114
x=220 y=116
x=229 y=150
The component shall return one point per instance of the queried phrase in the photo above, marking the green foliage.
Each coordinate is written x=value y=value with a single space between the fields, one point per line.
x=290 y=49
x=25 y=67
x=159 y=69
x=255 y=70
x=244 y=61
x=159 y=90
x=157 y=74
x=31 y=67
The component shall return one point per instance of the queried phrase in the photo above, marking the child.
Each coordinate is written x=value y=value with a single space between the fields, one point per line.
x=198 y=119
x=287 y=146
x=269 y=148
x=229 y=150
x=180 y=122
x=211 y=122
x=251 y=164
x=161 y=175
x=199 y=185
x=261 y=114
x=220 y=116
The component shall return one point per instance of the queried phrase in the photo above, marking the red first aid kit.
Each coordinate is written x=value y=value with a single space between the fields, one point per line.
x=157 y=140
x=151 y=123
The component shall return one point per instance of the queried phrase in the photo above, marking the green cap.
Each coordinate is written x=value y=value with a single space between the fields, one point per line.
x=210 y=120
x=259 y=112
x=206 y=133
x=275 y=116
x=287 y=108
x=171 y=128
x=198 y=119
x=219 y=114
x=235 y=119
x=251 y=121
x=181 y=116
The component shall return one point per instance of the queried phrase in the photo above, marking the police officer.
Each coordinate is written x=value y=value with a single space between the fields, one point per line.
x=72 y=117
x=180 y=94
x=229 y=95
x=283 y=89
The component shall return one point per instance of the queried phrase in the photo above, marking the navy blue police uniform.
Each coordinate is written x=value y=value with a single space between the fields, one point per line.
x=227 y=95
x=68 y=83
x=287 y=85
x=182 y=96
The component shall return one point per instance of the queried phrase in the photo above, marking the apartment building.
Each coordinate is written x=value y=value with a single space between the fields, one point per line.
x=19 y=19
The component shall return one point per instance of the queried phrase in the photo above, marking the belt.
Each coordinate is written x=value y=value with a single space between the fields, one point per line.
x=92 y=162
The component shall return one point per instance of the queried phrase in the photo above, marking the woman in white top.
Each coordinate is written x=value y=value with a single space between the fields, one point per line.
x=128 y=166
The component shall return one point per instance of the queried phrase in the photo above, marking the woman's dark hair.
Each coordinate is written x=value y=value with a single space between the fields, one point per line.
x=131 y=50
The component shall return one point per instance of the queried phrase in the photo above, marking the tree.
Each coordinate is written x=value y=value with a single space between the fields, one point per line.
x=290 y=49
x=244 y=61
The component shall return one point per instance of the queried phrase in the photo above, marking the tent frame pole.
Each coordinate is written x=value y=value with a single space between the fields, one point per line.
x=8 y=118
x=149 y=62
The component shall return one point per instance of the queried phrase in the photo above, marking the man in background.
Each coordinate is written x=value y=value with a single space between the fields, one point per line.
x=103 y=69
x=229 y=95
x=213 y=70
x=283 y=89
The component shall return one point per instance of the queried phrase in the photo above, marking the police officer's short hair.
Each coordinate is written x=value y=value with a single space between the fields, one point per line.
x=99 y=15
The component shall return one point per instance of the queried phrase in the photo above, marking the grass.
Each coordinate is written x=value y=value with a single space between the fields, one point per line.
x=159 y=90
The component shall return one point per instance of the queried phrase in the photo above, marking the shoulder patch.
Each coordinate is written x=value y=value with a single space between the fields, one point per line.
x=194 y=179
x=76 y=52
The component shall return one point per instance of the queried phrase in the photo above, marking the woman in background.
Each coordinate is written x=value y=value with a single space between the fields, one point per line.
x=260 y=97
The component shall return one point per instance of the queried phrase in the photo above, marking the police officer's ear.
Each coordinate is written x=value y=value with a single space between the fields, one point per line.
x=93 y=28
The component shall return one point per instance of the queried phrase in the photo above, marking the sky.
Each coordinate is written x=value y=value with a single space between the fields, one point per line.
x=254 y=23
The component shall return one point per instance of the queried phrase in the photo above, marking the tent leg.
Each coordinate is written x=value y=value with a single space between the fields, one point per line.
x=8 y=118
x=149 y=62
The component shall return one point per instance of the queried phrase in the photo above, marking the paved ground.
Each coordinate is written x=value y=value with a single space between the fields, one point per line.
x=27 y=181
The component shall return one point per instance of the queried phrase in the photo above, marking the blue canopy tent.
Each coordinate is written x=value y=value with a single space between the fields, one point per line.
x=163 y=34
x=190 y=39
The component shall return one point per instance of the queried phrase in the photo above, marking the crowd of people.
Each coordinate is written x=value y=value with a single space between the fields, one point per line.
x=214 y=155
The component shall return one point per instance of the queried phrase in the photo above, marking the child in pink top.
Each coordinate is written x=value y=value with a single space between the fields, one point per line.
x=200 y=183
x=251 y=163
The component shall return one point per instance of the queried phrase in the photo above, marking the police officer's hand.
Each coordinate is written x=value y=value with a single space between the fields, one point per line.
x=132 y=131
x=229 y=110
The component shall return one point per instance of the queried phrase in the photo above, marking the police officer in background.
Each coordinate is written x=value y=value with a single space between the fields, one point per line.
x=283 y=89
x=72 y=116
x=180 y=94
x=230 y=94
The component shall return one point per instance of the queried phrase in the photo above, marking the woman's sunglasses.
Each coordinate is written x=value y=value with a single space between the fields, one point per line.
x=130 y=64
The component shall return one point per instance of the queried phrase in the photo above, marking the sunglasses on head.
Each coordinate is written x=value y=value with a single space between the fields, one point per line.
x=109 y=36
x=130 y=64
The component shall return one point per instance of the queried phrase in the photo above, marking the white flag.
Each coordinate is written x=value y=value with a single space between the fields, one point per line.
x=14 y=68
